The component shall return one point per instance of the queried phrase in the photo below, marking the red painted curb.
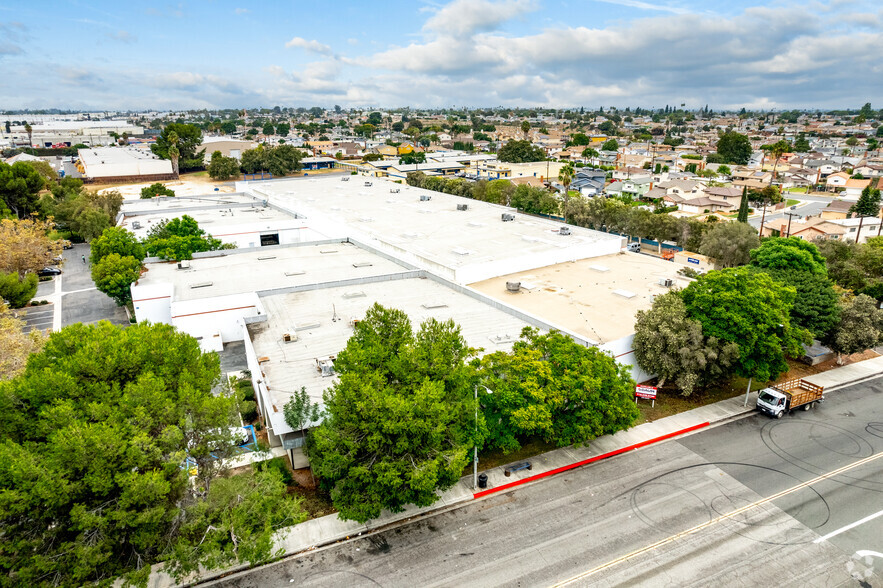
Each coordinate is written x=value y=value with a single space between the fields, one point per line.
x=588 y=461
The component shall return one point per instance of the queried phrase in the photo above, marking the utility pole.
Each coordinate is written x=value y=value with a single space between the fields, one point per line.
x=789 y=215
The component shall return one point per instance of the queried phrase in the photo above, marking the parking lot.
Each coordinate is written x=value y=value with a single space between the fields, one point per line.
x=36 y=317
x=82 y=302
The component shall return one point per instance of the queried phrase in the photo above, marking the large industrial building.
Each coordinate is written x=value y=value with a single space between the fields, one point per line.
x=313 y=254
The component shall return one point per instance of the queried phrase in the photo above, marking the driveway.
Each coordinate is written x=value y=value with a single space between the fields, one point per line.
x=81 y=301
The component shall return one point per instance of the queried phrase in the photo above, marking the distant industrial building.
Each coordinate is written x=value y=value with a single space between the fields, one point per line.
x=122 y=164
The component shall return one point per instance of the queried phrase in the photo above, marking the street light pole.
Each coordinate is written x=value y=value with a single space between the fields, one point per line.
x=475 y=441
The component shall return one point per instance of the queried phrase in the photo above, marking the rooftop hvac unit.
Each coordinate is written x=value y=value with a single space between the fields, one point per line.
x=184 y=264
x=136 y=224
x=345 y=179
x=325 y=366
x=462 y=207
x=508 y=217
x=425 y=198
x=666 y=282
x=564 y=231
x=513 y=286
x=394 y=190
x=368 y=184
x=289 y=337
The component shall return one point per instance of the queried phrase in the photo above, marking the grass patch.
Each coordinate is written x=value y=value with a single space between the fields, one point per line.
x=791 y=202
x=199 y=174
x=797 y=190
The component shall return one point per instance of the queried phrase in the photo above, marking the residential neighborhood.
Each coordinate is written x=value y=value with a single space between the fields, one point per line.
x=452 y=296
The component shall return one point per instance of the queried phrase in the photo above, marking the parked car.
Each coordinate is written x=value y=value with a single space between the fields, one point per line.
x=49 y=271
x=65 y=244
x=633 y=247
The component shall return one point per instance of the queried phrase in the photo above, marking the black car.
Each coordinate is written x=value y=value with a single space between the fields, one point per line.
x=49 y=271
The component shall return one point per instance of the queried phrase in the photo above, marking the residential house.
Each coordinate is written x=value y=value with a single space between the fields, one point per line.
x=837 y=209
x=704 y=204
x=807 y=229
x=824 y=167
x=729 y=194
x=836 y=180
x=854 y=188
x=589 y=182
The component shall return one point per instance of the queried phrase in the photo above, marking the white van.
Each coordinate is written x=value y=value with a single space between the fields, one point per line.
x=633 y=247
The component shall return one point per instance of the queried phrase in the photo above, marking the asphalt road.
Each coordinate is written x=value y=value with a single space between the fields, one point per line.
x=654 y=517
x=82 y=302
x=809 y=206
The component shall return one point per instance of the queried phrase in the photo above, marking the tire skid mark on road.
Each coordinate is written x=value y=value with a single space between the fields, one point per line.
x=714 y=521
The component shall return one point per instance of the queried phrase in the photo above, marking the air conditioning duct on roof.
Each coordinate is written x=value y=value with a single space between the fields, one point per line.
x=666 y=282
x=425 y=198
x=462 y=207
x=508 y=217
x=564 y=231
x=136 y=224
x=513 y=286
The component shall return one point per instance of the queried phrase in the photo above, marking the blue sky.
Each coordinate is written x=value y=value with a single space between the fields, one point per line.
x=725 y=53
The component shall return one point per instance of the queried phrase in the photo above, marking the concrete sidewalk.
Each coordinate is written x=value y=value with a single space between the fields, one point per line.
x=329 y=529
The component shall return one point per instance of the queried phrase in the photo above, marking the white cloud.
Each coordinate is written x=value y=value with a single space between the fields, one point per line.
x=122 y=36
x=647 y=6
x=241 y=11
x=466 y=17
x=310 y=46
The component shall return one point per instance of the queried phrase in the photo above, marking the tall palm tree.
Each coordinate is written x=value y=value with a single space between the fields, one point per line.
x=777 y=150
x=174 y=152
x=565 y=176
x=30 y=133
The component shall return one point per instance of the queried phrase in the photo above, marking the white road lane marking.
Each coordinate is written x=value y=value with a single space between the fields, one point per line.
x=850 y=526
x=714 y=521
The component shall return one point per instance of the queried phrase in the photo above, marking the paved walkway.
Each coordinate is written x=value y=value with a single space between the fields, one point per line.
x=329 y=529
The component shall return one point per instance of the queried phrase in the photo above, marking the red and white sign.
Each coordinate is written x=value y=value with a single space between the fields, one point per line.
x=648 y=392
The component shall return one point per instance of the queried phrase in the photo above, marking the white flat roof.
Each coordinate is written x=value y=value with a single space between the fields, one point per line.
x=462 y=245
x=596 y=298
x=321 y=319
x=267 y=269
x=217 y=222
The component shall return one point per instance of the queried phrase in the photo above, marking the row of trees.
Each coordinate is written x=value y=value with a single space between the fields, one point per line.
x=279 y=161
x=401 y=420
x=527 y=198
x=102 y=432
x=745 y=320
x=25 y=248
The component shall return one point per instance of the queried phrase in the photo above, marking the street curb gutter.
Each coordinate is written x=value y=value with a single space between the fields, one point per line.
x=529 y=479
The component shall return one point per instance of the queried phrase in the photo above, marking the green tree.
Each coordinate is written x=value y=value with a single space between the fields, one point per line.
x=734 y=148
x=17 y=342
x=156 y=189
x=254 y=160
x=742 y=217
x=610 y=145
x=228 y=127
x=525 y=127
x=282 y=129
x=92 y=455
x=19 y=185
x=815 y=306
x=777 y=150
x=729 y=244
x=116 y=240
x=551 y=386
x=792 y=253
x=223 y=168
x=520 y=152
x=671 y=345
x=16 y=290
x=268 y=129
x=565 y=176
x=860 y=327
x=283 y=160
x=398 y=126
x=580 y=139
x=868 y=204
x=765 y=197
x=413 y=158
x=801 y=145
x=179 y=238
x=749 y=308
x=114 y=275
x=399 y=422
x=187 y=138
x=590 y=154
x=174 y=153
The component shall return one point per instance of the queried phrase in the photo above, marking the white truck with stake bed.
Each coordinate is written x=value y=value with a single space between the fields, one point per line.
x=787 y=396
